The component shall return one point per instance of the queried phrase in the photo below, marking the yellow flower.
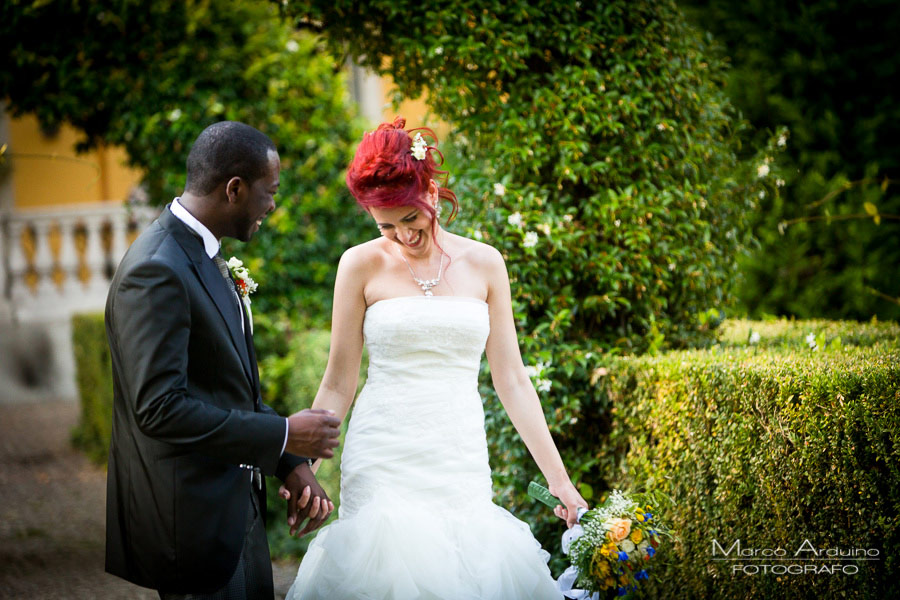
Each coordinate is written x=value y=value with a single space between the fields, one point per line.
x=623 y=580
x=636 y=536
x=599 y=564
x=610 y=582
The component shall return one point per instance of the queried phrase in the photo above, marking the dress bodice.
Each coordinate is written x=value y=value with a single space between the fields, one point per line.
x=425 y=339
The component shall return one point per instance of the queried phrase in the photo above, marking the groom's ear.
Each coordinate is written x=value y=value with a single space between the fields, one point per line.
x=234 y=188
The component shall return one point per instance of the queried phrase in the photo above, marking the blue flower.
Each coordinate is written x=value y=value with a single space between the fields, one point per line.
x=621 y=591
x=623 y=556
x=651 y=531
x=642 y=574
x=651 y=551
x=648 y=516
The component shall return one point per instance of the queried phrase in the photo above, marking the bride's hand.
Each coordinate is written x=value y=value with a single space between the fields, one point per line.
x=572 y=500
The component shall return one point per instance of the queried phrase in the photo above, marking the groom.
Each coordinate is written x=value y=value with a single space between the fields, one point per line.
x=190 y=435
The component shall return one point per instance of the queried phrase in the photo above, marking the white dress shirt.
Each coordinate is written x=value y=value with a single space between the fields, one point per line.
x=211 y=244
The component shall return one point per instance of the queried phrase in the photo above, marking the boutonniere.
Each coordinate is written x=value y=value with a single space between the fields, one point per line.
x=241 y=276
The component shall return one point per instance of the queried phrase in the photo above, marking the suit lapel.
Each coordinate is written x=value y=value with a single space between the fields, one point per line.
x=254 y=371
x=225 y=301
x=214 y=284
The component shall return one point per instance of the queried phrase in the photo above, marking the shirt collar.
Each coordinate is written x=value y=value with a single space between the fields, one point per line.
x=210 y=243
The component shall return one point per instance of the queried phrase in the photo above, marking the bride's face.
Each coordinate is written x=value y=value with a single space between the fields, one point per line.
x=408 y=226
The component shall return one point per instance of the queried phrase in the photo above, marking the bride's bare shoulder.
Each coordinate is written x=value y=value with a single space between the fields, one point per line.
x=478 y=253
x=365 y=253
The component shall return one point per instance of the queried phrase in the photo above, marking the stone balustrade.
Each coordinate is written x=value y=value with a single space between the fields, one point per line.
x=55 y=263
x=59 y=261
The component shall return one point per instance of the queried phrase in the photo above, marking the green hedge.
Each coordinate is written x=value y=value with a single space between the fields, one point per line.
x=94 y=378
x=771 y=443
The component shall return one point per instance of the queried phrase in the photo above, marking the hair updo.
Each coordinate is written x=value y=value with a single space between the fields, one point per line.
x=385 y=174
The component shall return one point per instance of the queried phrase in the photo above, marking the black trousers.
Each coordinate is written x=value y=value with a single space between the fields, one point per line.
x=252 y=579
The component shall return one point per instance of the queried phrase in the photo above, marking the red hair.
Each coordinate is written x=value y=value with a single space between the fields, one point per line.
x=385 y=174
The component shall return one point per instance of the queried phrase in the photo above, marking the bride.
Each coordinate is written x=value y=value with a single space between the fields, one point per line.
x=416 y=517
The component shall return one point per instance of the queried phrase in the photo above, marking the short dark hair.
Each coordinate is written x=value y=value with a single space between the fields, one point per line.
x=224 y=150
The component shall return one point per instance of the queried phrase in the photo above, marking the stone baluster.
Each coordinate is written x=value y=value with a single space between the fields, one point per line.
x=43 y=261
x=94 y=254
x=5 y=308
x=119 y=238
x=68 y=257
x=18 y=263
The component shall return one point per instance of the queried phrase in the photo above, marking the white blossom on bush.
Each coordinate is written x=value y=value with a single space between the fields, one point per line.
x=531 y=239
x=515 y=219
x=499 y=189
x=762 y=170
x=811 y=341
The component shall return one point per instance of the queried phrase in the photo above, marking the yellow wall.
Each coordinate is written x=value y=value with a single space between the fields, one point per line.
x=414 y=111
x=48 y=172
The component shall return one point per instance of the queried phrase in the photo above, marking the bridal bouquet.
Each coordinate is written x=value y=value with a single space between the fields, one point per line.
x=611 y=547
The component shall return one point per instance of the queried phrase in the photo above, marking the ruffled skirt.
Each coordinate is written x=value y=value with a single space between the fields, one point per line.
x=416 y=517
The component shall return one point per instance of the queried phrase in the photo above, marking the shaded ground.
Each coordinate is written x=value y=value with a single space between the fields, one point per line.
x=52 y=511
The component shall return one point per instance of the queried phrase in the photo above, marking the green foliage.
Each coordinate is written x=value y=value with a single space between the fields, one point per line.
x=93 y=374
x=590 y=115
x=151 y=75
x=770 y=443
x=826 y=71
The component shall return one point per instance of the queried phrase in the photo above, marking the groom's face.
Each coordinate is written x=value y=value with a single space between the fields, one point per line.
x=258 y=200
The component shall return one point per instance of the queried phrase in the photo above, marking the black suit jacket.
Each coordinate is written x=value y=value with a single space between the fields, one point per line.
x=187 y=412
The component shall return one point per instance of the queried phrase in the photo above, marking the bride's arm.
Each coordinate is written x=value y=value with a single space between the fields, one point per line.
x=338 y=386
x=516 y=392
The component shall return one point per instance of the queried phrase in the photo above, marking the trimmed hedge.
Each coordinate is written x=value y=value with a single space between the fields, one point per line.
x=95 y=388
x=772 y=443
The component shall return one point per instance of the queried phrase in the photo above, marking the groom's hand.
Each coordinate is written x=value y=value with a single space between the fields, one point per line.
x=313 y=433
x=305 y=500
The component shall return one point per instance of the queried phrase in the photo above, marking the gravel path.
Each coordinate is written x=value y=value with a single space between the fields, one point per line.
x=52 y=512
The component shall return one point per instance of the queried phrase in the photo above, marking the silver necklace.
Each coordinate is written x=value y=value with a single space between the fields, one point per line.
x=425 y=284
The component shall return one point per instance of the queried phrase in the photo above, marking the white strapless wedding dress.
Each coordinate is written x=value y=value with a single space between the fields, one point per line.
x=416 y=518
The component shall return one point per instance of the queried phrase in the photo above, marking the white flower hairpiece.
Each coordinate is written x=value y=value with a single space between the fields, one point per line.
x=419 y=147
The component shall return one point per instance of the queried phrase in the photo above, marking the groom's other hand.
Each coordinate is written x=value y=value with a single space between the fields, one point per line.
x=313 y=433
x=305 y=500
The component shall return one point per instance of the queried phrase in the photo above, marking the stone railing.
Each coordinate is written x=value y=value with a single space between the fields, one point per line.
x=55 y=263
x=59 y=261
